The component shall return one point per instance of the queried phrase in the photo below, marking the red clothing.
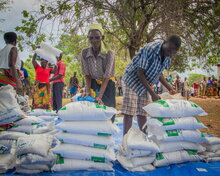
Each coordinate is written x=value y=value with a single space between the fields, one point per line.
x=61 y=70
x=195 y=86
x=42 y=74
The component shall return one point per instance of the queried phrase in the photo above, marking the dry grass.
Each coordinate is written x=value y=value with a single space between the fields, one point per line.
x=210 y=105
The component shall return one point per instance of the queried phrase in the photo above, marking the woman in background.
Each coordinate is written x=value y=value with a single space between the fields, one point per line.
x=42 y=93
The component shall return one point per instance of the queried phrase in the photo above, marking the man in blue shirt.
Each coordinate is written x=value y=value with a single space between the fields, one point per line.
x=142 y=73
x=24 y=77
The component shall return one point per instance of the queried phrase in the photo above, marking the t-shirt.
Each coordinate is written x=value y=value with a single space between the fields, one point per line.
x=42 y=74
x=61 y=70
x=24 y=75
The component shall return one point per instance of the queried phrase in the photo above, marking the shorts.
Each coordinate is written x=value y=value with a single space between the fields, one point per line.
x=73 y=90
x=133 y=104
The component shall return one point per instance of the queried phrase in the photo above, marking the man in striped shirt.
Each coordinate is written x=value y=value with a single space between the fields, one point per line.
x=142 y=72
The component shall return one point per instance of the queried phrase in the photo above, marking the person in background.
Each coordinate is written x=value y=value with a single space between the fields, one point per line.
x=25 y=79
x=215 y=87
x=209 y=87
x=98 y=67
x=186 y=88
x=170 y=79
x=218 y=85
x=58 y=84
x=119 y=85
x=10 y=64
x=203 y=87
x=73 y=85
x=178 y=84
x=42 y=93
x=141 y=73
x=196 y=88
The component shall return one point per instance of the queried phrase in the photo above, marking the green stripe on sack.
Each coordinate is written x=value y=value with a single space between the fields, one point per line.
x=104 y=134
x=60 y=159
x=98 y=159
x=100 y=146
x=159 y=156
x=194 y=105
x=166 y=122
x=100 y=106
x=171 y=133
x=192 y=152
x=162 y=102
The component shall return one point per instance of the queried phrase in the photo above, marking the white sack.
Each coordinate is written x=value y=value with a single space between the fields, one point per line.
x=9 y=108
x=84 y=153
x=41 y=167
x=7 y=143
x=30 y=120
x=27 y=171
x=212 y=147
x=180 y=135
x=213 y=140
x=11 y=135
x=180 y=145
x=44 y=54
x=102 y=128
x=50 y=49
x=165 y=159
x=85 y=110
x=7 y=161
x=184 y=123
x=87 y=140
x=173 y=108
x=66 y=164
x=35 y=144
x=36 y=159
x=128 y=165
x=42 y=112
x=136 y=139
x=48 y=118
x=212 y=159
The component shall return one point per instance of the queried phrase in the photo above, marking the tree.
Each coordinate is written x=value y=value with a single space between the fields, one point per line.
x=4 y=5
x=194 y=77
x=135 y=22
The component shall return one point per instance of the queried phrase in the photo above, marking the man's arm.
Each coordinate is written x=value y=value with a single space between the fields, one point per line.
x=56 y=77
x=167 y=85
x=144 y=81
x=54 y=70
x=34 y=62
x=102 y=90
x=12 y=62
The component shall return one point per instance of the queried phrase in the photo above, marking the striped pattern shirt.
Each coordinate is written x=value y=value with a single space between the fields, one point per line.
x=149 y=59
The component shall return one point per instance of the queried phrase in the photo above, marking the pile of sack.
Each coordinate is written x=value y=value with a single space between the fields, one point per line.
x=9 y=108
x=212 y=153
x=44 y=114
x=176 y=131
x=137 y=152
x=34 y=153
x=86 y=137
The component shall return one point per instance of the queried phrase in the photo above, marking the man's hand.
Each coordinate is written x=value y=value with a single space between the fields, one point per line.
x=155 y=97
x=172 y=92
x=99 y=100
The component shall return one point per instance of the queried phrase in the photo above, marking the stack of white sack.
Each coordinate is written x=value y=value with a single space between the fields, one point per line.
x=7 y=158
x=24 y=127
x=86 y=136
x=138 y=152
x=44 y=114
x=212 y=153
x=9 y=108
x=48 y=53
x=34 y=154
x=176 y=131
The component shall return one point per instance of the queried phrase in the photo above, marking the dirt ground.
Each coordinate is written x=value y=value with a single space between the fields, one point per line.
x=210 y=105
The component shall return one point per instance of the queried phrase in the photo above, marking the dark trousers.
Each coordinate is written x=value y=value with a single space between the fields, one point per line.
x=120 y=93
x=57 y=95
x=109 y=94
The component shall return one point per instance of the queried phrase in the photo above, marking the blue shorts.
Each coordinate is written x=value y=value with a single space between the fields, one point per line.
x=73 y=90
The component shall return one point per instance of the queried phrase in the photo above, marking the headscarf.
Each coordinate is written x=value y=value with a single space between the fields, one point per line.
x=104 y=46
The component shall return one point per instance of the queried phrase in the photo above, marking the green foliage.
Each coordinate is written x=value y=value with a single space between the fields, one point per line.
x=134 y=23
x=194 y=77
x=30 y=69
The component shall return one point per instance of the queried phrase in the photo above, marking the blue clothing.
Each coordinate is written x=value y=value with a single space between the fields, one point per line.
x=73 y=89
x=25 y=75
x=149 y=59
